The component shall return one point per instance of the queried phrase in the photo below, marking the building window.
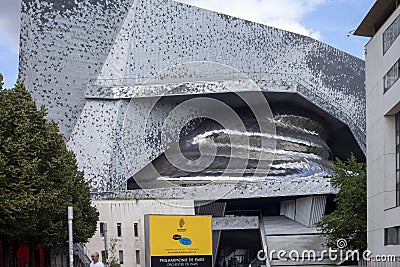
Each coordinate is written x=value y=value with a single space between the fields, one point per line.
x=102 y=228
x=137 y=256
x=392 y=236
x=391 y=77
x=397 y=159
x=136 y=229
x=119 y=230
x=391 y=33
x=103 y=256
x=121 y=256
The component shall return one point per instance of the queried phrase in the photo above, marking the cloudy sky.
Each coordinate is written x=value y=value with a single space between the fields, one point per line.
x=329 y=21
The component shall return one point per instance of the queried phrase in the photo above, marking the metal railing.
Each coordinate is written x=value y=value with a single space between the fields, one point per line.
x=80 y=254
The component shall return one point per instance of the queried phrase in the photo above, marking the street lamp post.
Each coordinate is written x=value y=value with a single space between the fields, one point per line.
x=70 y=237
x=105 y=244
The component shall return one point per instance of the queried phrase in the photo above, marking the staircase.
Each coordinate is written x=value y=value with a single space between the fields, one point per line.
x=80 y=258
x=284 y=234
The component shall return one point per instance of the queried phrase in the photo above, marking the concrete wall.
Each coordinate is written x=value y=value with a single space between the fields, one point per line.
x=211 y=192
x=288 y=208
x=305 y=210
x=235 y=223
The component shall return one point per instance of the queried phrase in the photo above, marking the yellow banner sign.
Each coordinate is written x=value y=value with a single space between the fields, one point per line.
x=180 y=235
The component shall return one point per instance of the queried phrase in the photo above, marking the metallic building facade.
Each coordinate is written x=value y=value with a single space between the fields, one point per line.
x=95 y=63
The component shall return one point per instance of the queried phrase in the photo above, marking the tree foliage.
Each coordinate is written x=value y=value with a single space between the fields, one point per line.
x=349 y=220
x=39 y=178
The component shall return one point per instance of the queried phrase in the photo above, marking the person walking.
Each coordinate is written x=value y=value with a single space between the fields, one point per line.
x=95 y=259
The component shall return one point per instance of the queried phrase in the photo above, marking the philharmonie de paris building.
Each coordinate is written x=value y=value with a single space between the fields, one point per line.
x=174 y=109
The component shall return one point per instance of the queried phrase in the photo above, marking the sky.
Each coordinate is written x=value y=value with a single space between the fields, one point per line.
x=329 y=21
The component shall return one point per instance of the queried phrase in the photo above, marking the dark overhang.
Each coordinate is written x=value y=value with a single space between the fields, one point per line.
x=378 y=14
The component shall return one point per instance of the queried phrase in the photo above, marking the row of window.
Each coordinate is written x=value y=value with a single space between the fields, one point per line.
x=390 y=35
x=391 y=76
x=397 y=118
x=103 y=228
x=392 y=236
x=121 y=256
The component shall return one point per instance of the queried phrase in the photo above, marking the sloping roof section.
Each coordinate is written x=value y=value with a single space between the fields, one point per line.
x=377 y=15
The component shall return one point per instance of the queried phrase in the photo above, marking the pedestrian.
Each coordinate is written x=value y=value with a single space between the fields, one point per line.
x=95 y=259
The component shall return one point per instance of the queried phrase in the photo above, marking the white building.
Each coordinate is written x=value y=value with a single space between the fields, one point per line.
x=124 y=222
x=382 y=24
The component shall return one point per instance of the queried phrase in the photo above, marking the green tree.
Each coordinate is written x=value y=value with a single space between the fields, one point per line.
x=349 y=220
x=39 y=177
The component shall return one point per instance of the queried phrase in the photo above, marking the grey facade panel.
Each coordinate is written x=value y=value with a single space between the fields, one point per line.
x=63 y=45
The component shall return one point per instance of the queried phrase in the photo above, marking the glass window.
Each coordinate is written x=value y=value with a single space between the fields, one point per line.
x=103 y=256
x=102 y=229
x=398 y=194
x=391 y=76
x=397 y=118
x=137 y=256
x=136 y=229
x=398 y=235
x=386 y=241
x=391 y=33
x=392 y=236
x=121 y=256
x=119 y=230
